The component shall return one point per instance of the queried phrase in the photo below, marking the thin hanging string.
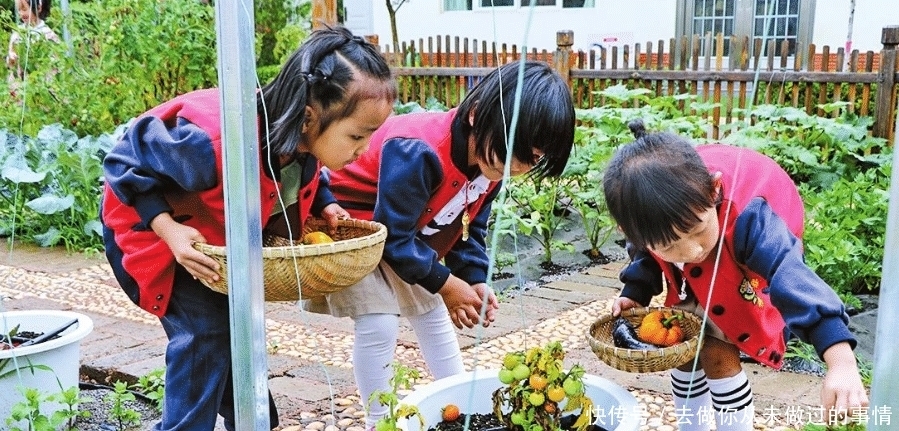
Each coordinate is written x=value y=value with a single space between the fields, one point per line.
x=21 y=92
x=22 y=82
x=724 y=226
x=502 y=197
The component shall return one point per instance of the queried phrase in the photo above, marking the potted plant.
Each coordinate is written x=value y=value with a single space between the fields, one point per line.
x=526 y=396
x=40 y=352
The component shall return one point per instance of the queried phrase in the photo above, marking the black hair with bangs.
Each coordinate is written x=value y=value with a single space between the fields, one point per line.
x=333 y=70
x=546 y=116
x=655 y=186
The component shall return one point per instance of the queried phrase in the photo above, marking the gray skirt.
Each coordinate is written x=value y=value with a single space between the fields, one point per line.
x=380 y=292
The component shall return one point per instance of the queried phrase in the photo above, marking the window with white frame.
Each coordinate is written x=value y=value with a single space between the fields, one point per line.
x=451 y=5
x=770 y=20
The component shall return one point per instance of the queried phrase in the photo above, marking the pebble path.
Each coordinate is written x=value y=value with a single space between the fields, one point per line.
x=94 y=289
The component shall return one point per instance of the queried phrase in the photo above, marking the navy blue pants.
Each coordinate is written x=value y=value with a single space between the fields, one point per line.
x=198 y=383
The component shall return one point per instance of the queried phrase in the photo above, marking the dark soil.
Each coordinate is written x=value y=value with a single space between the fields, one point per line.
x=489 y=422
x=502 y=275
x=551 y=268
x=597 y=257
x=477 y=422
x=20 y=337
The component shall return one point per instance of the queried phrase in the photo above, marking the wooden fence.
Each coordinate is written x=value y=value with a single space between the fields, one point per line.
x=755 y=72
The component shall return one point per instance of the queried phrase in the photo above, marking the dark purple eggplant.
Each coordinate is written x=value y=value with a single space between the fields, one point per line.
x=625 y=336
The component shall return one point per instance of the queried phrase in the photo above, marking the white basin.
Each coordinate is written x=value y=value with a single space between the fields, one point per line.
x=614 y=407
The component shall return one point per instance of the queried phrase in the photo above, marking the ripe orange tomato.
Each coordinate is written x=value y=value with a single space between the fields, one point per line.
x=537 y=382
x=450 y=412
x=555 y=394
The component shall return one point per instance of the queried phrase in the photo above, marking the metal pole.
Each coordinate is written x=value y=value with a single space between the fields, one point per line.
x=848 y=46
x=237 y=90
x=66 y=36
x=885 y=386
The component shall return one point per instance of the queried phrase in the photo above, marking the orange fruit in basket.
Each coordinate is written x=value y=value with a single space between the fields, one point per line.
x=661 y=328
x=316 y=238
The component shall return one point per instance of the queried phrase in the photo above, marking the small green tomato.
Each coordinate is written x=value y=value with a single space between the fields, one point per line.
x=506 y=376
x=572 y=387
x=521 y=372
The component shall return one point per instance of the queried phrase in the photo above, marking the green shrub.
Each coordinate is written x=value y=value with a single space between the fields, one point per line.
x=130 y=55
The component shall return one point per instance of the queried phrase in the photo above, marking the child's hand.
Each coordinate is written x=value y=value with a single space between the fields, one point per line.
x=492 y=303
x=180 y=239
x=464 y=302
x=11 y=59
x=842 y=392
x=332 y=213
x=623 y=303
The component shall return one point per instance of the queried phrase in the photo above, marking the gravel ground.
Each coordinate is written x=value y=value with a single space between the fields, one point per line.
x=344 y=412
x=99 y=404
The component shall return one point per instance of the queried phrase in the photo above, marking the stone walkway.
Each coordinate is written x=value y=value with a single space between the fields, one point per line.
x=310 y=369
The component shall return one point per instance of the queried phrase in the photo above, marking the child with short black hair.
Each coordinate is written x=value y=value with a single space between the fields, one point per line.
x=164 y=191
x=431 y=179
x=719 y=228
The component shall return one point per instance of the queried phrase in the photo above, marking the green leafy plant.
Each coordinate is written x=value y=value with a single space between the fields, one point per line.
x=29 y=410
x=845 y=230
x=402 y=378
x=583 y=185
x=799 y=349
x=535 y=388
x=120 y=413
x=152 y=386
x=70 y=398
x=52 y=184
x=538 y=213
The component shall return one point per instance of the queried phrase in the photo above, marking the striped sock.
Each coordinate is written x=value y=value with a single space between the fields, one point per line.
x=692 y=400
x=732 y=401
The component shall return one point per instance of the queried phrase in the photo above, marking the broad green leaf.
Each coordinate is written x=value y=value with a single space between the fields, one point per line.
x=51 y=204
x=93 y=227
x=49 y=238
x=22 y=174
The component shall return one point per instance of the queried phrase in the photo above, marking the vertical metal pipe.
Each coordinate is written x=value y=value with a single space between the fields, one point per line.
x=237 y=90
x=885 y=385
x=66 y=36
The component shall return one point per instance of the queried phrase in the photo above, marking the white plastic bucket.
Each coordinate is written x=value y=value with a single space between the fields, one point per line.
x=62 y=355
x=614 y=407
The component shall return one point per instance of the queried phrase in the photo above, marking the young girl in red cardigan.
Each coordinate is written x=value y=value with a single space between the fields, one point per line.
x=431 y=179
x=721 y=227
x=164 y=191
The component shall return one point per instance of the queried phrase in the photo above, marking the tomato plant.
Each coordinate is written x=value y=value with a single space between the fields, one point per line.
x=535 y=387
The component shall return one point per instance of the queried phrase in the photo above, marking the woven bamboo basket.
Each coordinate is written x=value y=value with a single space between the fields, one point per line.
x=644 y=361
x=320 y=269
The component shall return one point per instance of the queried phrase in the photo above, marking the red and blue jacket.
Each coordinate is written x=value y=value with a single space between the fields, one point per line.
x=170 y=160
x=761 y=289
x=413 y=179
